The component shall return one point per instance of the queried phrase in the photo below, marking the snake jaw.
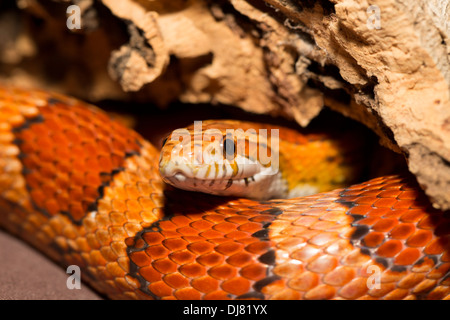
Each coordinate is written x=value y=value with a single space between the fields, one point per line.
x=249 y=180
x=262 y=187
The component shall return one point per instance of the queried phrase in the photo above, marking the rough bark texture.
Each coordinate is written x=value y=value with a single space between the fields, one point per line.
x=281 y=57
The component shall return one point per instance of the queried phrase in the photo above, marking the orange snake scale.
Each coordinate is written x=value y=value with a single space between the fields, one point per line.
x=86 y=191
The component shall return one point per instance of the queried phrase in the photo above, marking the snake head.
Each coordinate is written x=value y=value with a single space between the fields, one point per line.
x=229 y=158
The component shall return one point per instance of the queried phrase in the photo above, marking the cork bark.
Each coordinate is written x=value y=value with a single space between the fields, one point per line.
x=384 y=63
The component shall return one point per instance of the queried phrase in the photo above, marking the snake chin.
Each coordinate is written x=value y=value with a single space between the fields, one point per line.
x=260 y=186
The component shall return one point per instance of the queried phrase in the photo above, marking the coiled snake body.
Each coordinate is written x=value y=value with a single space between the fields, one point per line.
x=87 y=191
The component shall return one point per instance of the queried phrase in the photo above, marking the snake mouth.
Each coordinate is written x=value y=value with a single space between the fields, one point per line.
x=181 y=170
x=180 y=180
x=258 y=186
x=227 y=179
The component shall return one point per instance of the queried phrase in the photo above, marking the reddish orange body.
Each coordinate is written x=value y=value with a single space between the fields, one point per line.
x=86 y=191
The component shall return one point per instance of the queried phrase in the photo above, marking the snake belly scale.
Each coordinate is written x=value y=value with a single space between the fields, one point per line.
x=85 y=190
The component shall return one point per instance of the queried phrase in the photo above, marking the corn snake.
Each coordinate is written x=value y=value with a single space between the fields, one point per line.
x=87 y=191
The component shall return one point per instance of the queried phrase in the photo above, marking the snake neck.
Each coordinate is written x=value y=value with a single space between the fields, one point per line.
x=317 y=163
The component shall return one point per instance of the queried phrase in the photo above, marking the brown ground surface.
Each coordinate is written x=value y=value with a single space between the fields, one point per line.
x=28 y=275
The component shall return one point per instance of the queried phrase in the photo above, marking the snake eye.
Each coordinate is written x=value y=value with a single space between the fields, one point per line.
x=229 y=148
x=164 y=141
